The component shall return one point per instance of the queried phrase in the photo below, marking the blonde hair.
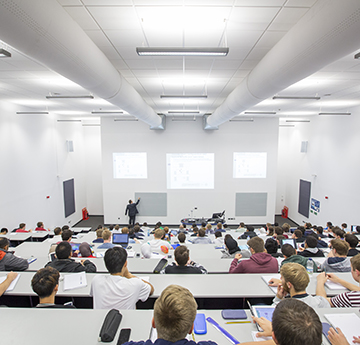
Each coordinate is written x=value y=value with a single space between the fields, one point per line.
x=159 y=233
x=341 y=246
x=296 y=275
x=355 y=262
x=208 y=226
x=125 y=230
x=174 y=313
x=106 y=234
x=99 y=232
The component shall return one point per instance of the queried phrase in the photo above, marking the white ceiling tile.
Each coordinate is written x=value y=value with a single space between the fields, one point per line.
x=82 y=17
x=126 y=38
x=224 y=63
x=257 y=53
x=98 y=37
x=266 y=3
x=300 y=3
x=287 y=18
x=146 y=73
x=119 y=64
x=107 y=2
x=270 y=38
x=110 y=52
x=197 y=63
x=69 y=2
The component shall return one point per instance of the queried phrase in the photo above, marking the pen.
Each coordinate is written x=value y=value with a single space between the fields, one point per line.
x=231 y=322
x=193 y=335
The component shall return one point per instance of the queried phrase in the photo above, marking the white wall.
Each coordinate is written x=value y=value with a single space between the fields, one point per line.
x=34 y=164
x=333 y=156
x=183 y=137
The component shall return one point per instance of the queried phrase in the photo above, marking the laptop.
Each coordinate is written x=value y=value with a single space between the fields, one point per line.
x=121 y=239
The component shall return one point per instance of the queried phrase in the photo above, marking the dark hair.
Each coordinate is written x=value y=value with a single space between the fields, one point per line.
x=329 y=224
x=257 y=244
x=136 y=228
x=85 y=249
x=271 y=246
x=302 y=229
x=203 y=224
x=242 y=224
x=65 y=227
x=63 y=250
x=298 y=233
x=358 y=228
x=352 y=240
x=3 y=242
x=201 y=232
x=344 y=225
x=231 y=244
x=44 y=281
x=271 y=230
x=39 y=224
x=278 y=230
x=99 y=227
x=181 y=255
x=339 y=232
x=130 y=201
x=57 y=231
x=288 y=250
x=181 y=237
x=22 y=225
x=115 y=259
x=313 y=235
x=218 y=234
x=294 y=322
x=66 y=234
x=320 y=229
x=311 y=241
x=250 y=228
x=308 y=225
x=4 y=230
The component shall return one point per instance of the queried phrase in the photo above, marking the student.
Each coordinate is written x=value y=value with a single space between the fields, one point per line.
x=57 y=235
x=310 y=249
x=259 y=262
x=209 y=229
x=40 y=227
x=6 y=283
x=182 y=239
x=337 y=260
x=174 y=316
x=320 y=232
x=182 y=228
x=155 y=246
x=298 y=236
x=344 y=227
x=272 y=246
x=347 y=299
x=293 y=323
x=294 y=281
x=270 y=231
x=106 y=235
x=232 y=248
x=8 y=261
x=22 y=228
x=219 y=227
x=99 y=238
x=290 y=255
x=85 y=250
x=4 y=231
x=219 y=241
x=248 y=233
x=125 y=230
x=353 y=241
x=183 y=264
x=120 y=289
x=64 y=262
x=242 y=227
x=201 y=239
x=45 y=283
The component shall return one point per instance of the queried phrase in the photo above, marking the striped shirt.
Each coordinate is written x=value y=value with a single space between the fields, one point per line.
x=347 y=299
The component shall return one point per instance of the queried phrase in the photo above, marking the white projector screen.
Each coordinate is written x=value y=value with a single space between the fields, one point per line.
x=130 y=165
x=190 y=170
x=250 y=164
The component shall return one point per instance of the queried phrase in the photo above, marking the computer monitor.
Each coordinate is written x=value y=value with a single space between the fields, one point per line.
x=122 y=239
x=290 y=241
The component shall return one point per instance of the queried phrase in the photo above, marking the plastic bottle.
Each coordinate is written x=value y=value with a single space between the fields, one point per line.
x=310 y=266
x=248 y=238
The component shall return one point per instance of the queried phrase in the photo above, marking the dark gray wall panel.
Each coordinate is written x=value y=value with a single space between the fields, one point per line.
x=250 y=204
x=152 y=204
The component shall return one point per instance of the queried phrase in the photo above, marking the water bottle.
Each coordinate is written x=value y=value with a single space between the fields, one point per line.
x=310 y=266
x=248 y=238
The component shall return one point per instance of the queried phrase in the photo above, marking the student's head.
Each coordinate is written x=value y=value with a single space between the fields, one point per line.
x=181 y=255
x=22 y=226
x=106 y=235
x=341 y=247
x=195 y=229
x=278 y=230
x=63 y=250
x=339 y=233
x=302 y=229
x=137 y=228
x=256 y=244
x=294 y=275
x=39 y=224
x=242 y=224
x=145 y=224
x=4 y=243
x=218 y=234
x=249 y=228
x=231 y=244
x=219 y=225
x=271 y=246
x=355 y=267
x=99 y=233
x=181 y=237
x=117 y=227
x=270 y=230
x=115 y=259
x=181 y=227
x=319 y=230
x=44 y=281
x=311 y=242
x=286 y=227
x=358 y=229
x=288 y=250
x=57 y=231
x=85 y=250
x=344 y=225
x=298 y=233
x=203 y=224
x=352 y=240
x=125 y=230
x=308 y=225
x=296 y=323
x=202 y=232
x=4 y=231
x=159 y=234
x=66 y=235
x=111 y=227
x=208 y=226
x=130 y=201
x=329 y=224
x=174 y=313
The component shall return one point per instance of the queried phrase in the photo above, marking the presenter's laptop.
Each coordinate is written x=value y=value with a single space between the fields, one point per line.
x=121 y=239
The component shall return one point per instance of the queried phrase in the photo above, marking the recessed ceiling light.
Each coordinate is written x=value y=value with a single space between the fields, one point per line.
x=335 y=113
x=297 y=97
x=62 y=96
x=241 y=120
x=183 y=96
x=183 y=112
x=260 y=112
x=179 y=51
x=32 y=112
x=107 y=112
x=297 y=121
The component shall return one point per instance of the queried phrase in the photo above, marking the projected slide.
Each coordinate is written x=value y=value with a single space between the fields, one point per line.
x=190 y=170
x=250 y=164
x=130 y=165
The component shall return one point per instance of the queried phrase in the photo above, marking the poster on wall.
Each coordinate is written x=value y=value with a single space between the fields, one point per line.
x=315 y=206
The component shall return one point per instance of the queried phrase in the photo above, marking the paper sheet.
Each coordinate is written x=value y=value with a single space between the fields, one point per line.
x=12 y=284
x=75 y=281
x=348 y=323
x=255 y=338
x=267 y=278
x=334 y=286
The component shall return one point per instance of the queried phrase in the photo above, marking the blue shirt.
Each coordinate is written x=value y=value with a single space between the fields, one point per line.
x=106 y=246
x=165 y=342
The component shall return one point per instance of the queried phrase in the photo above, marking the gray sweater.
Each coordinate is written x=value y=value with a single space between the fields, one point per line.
x=336 y=264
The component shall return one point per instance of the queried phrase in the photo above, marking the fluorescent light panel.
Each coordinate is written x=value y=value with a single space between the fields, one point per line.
x=107 y=112
x=183 y=112
x=297 y=97
x=183 y=96
x=126 y=119
x=60 y=96
x=241 y=120
x=178 y=51
x=184 y=118
x=260 y=112
x=297 y=121
x=334 y=113
x=32 y=112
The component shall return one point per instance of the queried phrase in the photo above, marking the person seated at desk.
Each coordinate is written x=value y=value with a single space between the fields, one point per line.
x=195 y=230
x=241 y=228
x=209 y=229
x=8 y=261
x=320 y=232
x=156 y=246
x=99 y=238
x=120 y=289
x=269 y=230
x=40 y=227
x=294 y=281
x=219 y=240
x=347 y=299
x=290 y=255
x=57 y=235
x=219 y=227
x=298 y=236
x=248 y=233
x=106 y=235
x=232 y=248
x=201 y=239
x=138 y=233
x=337 y=260
x=86 y=251
x=6 y=283
x=310 y=248
x=293 y=323
x=259 y=262
x=183 y=264
x=272 y=246
x=182 y=228
x=66 y=236
x=125 y=230
x=182 y=239
x=45 y=283
x=4 y=231
x=64 y=262
x=22 y=228
x=338 y=233
x=174 y=316
x=353 y=241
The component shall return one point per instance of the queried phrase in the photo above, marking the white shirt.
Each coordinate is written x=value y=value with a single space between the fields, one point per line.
x=155 y=246
x=118 y=292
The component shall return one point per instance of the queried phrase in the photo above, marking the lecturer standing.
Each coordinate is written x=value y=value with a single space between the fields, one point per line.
x=131 y=208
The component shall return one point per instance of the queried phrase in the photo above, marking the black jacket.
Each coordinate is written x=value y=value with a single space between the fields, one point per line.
x=70 y=265
x=131 y=208
x=245 y=235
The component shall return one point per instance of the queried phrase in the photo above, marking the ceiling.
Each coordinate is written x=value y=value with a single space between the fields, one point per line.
x=250 y=28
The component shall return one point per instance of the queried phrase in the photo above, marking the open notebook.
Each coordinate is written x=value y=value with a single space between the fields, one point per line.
x=267 y=278
x=13 y=283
